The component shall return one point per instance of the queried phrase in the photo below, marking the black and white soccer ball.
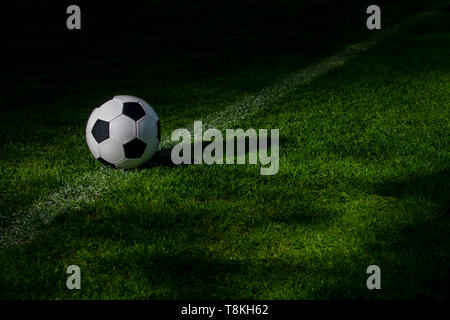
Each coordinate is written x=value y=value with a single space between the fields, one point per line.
x=124 y=132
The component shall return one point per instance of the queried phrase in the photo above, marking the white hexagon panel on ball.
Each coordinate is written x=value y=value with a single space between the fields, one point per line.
x=122 y=129
x=111 y=151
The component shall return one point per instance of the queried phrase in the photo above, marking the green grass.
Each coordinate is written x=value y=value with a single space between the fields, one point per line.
x=364 y=171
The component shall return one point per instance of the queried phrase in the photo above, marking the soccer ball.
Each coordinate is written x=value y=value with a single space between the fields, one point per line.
x=124 y=132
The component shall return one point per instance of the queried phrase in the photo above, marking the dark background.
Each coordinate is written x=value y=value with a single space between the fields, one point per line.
x=167 y=41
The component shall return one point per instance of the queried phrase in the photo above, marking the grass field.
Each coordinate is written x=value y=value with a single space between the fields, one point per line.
x=364 y=152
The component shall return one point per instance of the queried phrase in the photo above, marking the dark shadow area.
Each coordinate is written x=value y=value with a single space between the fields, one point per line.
x=416 y=251
x=434 y=186
x=161 y=158
x=137 y=45
x=415 y=255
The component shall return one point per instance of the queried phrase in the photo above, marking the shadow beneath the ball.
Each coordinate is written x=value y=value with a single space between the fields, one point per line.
x=162 y=158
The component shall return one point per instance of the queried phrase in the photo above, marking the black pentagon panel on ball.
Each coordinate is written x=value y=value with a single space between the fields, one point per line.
x=106 y=163
x=100 y=131
x=134 y=149
x=133 y=110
